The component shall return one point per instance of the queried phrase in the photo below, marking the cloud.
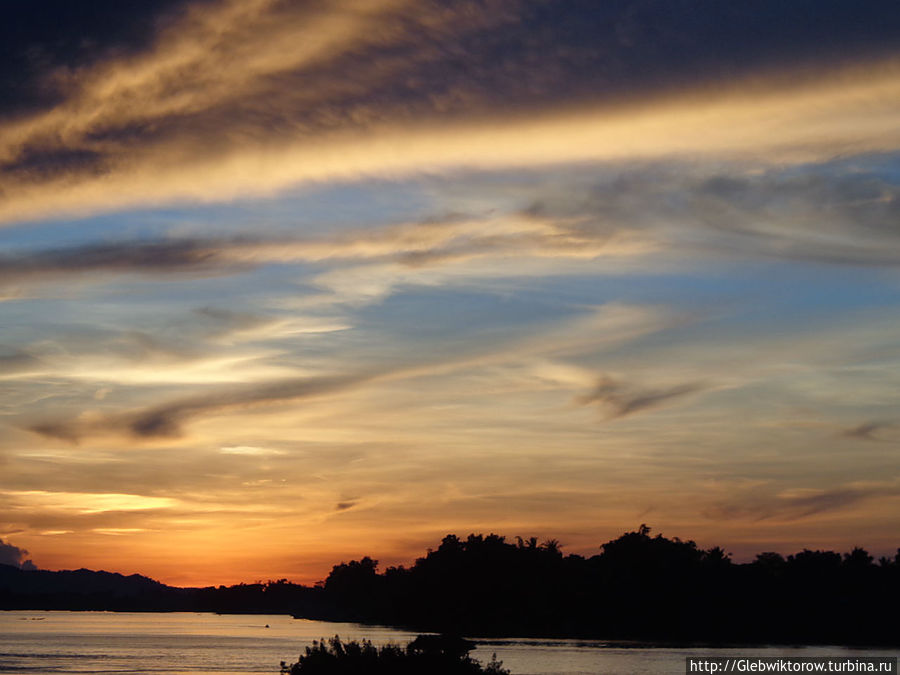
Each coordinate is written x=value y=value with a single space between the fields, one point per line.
x=81 y=352
x=166 y=420
x=622 y=400
x=40 y=41
x=867 y=431
x=215 y=53
x=413 y=245
x=146 y=257
x=251 y=97
x=15 y=556
x=592 y=331
x=801 y=503
x=669 y=214
x=842 y=219
x=17 y=362
x=853 y=113
x=840 y=213
x=87 y=503
x=247 y=450
x=180 y=57
x=229 y=322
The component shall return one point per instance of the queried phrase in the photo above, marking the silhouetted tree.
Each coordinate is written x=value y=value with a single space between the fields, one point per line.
x=639 y=586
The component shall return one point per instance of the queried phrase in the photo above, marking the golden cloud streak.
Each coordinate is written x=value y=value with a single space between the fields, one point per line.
x=90 y=502
x=849 y=112
x=211 y=56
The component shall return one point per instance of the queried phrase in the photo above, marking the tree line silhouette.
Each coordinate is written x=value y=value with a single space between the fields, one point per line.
x=638 y=586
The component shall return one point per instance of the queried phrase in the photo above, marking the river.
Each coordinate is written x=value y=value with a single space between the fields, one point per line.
x=183 y=642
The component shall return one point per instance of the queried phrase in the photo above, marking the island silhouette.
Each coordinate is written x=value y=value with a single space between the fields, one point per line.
x=639 y=587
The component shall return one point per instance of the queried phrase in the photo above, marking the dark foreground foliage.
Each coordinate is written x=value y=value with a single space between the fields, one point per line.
x=426 y=654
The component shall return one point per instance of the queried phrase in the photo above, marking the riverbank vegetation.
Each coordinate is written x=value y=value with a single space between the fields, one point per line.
x=639 y=586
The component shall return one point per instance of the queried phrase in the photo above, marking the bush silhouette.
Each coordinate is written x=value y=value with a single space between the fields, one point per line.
x=431 y=654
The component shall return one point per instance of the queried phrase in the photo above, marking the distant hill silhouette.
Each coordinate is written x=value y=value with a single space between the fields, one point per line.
x=638 y=587
x=89 y=590
x=82 y=589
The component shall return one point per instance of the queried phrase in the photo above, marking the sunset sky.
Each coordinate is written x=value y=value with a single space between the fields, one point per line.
x=285 y=283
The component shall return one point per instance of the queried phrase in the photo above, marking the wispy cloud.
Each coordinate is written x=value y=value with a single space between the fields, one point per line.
x=17 y=362
x=852 y=112
x=413 y=245
x=868 y=431
x=796 y=504
x=622 y=400
x=675 y=214
x=228 y=101
x=166 y=420
x=134 y=257
x=603 y=327
x=839 y=213
x=86 y=503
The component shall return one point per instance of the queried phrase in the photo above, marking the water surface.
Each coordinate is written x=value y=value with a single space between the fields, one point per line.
x=182 y=642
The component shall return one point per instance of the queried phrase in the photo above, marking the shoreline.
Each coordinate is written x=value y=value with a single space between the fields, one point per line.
x=497 y=640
